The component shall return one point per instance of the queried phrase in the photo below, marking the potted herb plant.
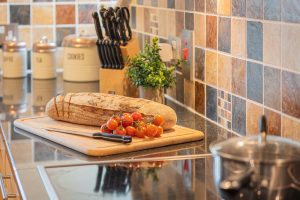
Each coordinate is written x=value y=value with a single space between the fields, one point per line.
x=150 y=74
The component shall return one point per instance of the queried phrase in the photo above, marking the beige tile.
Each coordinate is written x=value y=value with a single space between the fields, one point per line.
x=87 y=29
x=3 y=14
x=238 y=37
x=290 y=47
x=189 y=93
x=272 y=43
x=224 y=72
x=224 y=7
x=179 y=4
x=18 y=1
x=42 y=14
x=38 y=33
x=163 y=23
x=25 y=36
x=140 y=18
x=290 y=128
x=163 y=3
x=200 y=32
x=211 y=68
x=147 y=2
x=172 y=22
x=254 y=112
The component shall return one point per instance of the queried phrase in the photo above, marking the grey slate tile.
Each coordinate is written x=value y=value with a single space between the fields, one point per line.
x=199 y=63
x=272 y=88
x=239 y=115
x=291 y=11
x=255 y=40
x=224 y=38
x=20 y=14
x=255 y=9
x=239 y=8
x=211 y=103
x=255 y=82
x=272 y=10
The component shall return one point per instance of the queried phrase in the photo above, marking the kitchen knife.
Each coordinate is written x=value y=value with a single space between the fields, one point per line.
x=102 y=11
x=97 y=25
x=98 y=135
x=126 y=16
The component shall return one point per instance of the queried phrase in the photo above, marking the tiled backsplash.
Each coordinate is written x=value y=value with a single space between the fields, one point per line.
x=247 y=58
x=52 y=18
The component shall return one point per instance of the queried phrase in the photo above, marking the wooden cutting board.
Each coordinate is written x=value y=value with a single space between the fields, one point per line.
x=95 y=147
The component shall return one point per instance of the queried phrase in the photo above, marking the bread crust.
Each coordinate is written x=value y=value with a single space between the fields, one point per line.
x=96 y=108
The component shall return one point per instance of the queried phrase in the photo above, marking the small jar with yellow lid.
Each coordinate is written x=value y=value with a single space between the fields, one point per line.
x=14 y=59
x=44 y=59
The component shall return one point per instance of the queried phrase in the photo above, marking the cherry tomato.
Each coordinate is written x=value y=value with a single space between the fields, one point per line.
x=112 y=124
x=141 y=131
x=117 y=118
x=120 y=130
x=151 y=130
x=160 y=131
x=105 y=129
x=158 y=120
x=126 y=120
x=137 y=116
x=139 y=123
x=130 y=130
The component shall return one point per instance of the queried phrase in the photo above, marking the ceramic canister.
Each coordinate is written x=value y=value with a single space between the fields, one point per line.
x=81 y=62
x=14 y=59
x=44 y=59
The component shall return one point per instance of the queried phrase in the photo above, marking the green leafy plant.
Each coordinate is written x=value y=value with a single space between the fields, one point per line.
x=148 y=70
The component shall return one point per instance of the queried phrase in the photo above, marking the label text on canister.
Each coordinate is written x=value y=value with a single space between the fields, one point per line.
x=8 y=59
x=75 y=56
x=38 y=59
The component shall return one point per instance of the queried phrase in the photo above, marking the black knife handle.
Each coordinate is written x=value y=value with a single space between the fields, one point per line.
x=113 y=137
x=97 y=25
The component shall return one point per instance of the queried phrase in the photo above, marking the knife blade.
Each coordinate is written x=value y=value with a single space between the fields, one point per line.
x=97 y=135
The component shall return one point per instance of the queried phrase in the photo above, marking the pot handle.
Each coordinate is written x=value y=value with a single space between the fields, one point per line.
x=236 y=182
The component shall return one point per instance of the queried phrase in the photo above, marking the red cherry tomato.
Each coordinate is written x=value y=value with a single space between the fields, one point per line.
x=117 y=118
x=139 y=123
x=151 y=130
x=126 y=120
x=158 y=120
x=120 y=130
x=160 y=131
x=137 y=116
x=112 y=124
x=141 y=131
x=105 y=129
x=130 y=130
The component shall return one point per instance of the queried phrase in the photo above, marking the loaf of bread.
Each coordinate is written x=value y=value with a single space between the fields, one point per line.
x=96 y=108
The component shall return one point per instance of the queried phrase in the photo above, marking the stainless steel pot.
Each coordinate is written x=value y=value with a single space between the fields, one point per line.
x=257 y=167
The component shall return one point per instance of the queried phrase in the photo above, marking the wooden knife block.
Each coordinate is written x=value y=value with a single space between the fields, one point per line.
x=114 y=81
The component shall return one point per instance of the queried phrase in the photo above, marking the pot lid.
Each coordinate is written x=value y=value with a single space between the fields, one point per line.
x=79 y=41
x=13 y=45
x=274 y=149
x=44 y=46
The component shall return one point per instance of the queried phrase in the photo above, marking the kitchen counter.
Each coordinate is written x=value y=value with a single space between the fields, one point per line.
x=26 y=97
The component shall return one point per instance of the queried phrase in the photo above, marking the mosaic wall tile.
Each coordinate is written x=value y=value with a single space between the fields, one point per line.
x=3 y=1
x=20 y=14
x=291 y=94
x=272 y=44
x=224 y=109
x=211 y=6
x=162 y=3
x=42 y=0
x=255 y=9
x=65 y=14
x=180 y=4
x=273 y=122
x=171 y=3
x=179 y=18
x=272 y=88
x=89 y=29
x=140 y=18
x=62 y=32
x=189 y=93
x=255 y=40
x=200 y=5
x=147 y=2
x=239 y=8
x=238 y=85
x=211 y=68
x=290 y=47
x=190 y=5
x=189 y=21
x=199 y=63
x=224 y=72
x=224 y=36
x=85 y=13
x=272 y=10
x=179 y=88
x=154 y=3
x=290 y=128
x=211 y=32
x=239 y=115
x=39 y=32
x=153 y=20
x=133 y=17
x=42 y=14
x=199 y=30
x=140 y=2
x=238 y=37
x=3 y=14
x=224 y=7
x=211 y=103
x=200 y=98
x=291 y=11
x=255 y=82
x=25 y=36
x=254 y=113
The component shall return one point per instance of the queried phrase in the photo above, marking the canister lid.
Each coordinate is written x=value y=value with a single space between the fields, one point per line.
x=14 y=46
x=44 y=46
x=79 y=41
